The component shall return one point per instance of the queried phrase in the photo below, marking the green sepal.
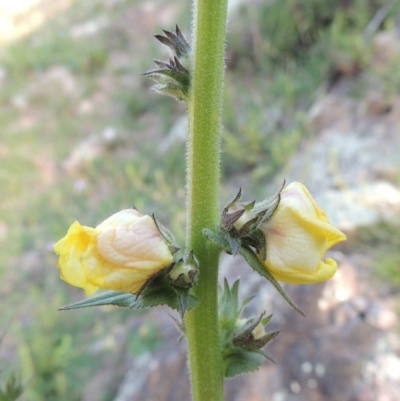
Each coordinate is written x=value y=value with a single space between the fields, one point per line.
x=269 y=205
x=228 y=219
x=240 y=362
x=180 y=78
x=184 y=272
x=170 y=89
x=245 y=331
x=265 y=354
x=263 y=341
x=251 y=225
x=157 y=291
x=167 y=235
x=172 y=64
x=255 y=263
x=218 y=238
x=175 y=41
x=257 y=240
x=237 y=198
x=244 y=339
x=234 y=244
x=224 y=240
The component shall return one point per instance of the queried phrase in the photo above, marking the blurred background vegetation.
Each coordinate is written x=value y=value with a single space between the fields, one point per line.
x=82 y=137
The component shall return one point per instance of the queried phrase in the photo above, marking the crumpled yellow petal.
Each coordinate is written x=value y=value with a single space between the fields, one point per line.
x=70 y=250
x=297 y=237
x=122 y=253
x=138 y=245
x=323 y=272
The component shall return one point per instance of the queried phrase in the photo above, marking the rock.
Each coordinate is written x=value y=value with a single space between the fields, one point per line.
x=363 y=205
x=341 y=351
x=160 y=375
x=348 y=164
x=90 y=149
x=58 y=78
x=376 y=103
x=386 y=49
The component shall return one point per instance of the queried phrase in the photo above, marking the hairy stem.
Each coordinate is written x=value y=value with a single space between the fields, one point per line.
x=203 y=153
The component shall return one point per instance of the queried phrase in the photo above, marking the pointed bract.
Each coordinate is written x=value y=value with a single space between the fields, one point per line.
x=173 y=76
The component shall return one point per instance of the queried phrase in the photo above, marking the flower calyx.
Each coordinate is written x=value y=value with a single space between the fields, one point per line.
x=242 y=338
x=182 y=276
x=251 y=334
x=169 y=238
x=172 y=77
x=242 y=219
x=184 y=273
x=240 y=224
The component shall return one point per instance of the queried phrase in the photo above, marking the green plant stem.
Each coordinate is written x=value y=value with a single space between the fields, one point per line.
x=205 y=107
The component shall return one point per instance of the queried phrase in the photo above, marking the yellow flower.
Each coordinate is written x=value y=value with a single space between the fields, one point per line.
x=121 y=253
x=298 y=234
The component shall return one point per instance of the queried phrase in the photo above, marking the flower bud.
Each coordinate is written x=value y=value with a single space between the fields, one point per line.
x=258 y=331
x=184 y=274
x=251 y=335
x=297 y=236
x=122 y=253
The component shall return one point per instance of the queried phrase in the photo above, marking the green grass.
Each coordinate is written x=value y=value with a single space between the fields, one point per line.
x=381 y=241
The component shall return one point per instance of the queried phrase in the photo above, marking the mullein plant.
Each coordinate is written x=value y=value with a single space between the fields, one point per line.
x=131 y=260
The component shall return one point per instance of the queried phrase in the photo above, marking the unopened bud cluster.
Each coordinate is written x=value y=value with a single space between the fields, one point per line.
x=243 y=338
x=172 y=77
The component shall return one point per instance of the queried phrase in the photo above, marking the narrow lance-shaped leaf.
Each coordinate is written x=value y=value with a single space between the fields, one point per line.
x=254 y=262
x=157 y=292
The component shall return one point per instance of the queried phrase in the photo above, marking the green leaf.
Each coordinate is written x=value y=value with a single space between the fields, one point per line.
x=157 y=292
x=178 y=76
x=169 y=89
x=242 y=362
x=118 y=298
x=255 y=263
x=265 y=354
x=12 y=389
x=228 y=305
